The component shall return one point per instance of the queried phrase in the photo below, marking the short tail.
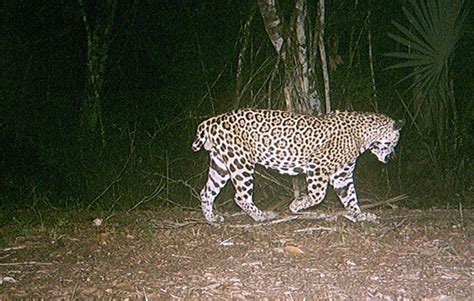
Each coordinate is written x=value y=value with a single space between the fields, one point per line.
x=200 y=138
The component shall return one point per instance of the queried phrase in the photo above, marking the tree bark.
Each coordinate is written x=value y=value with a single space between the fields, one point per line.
x=273 y=24
x=302 y=79
x=322 y=53
x=299 y=91
x=243 y=41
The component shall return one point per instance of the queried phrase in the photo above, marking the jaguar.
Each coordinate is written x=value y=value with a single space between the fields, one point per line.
x=324 y=148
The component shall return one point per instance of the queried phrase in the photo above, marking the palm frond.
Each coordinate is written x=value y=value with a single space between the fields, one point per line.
x=411 y=40
x=431 y=33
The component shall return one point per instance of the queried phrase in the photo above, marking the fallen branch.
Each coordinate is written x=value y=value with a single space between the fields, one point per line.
x=299 y=216
x=311 y=215
x=318 y=215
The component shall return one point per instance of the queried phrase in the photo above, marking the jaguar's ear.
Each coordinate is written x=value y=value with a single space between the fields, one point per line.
x=398 y=124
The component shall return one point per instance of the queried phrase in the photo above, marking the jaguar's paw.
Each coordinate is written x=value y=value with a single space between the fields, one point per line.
x=265 y=216
x=215 y=219
x=361 y=217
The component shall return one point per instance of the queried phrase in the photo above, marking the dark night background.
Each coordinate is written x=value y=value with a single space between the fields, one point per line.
x=171 y=64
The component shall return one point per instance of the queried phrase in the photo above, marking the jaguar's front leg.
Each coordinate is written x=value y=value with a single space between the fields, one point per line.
x=343 y=184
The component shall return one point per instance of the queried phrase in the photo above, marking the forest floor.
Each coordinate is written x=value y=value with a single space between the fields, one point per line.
x=168 y=254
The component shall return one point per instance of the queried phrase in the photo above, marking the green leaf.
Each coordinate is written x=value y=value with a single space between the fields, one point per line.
x=431 y=32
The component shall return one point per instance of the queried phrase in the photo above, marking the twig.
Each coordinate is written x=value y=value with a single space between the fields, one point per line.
x=270 y=178
x=115 y=181
x=240 y=213
x=24 y=263
x=149 y=197
x=118 y=177
x=175 y=204
x=272 y=222
x=145 y=296
x=224 y=203
x=184 y=183
x=228 y=242
x=13 y=248
x=182 y=256
x=388 y=201
x=175 y=225
x=315 y=229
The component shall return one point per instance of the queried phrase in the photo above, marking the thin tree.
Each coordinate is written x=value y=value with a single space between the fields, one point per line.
x=98 y=18
x=322 y=53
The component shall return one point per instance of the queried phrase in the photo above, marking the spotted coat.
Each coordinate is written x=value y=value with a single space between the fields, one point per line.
x=324 y=148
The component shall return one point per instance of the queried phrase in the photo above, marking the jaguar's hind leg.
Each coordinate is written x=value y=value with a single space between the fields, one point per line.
x=218 y=176
x=242 y=178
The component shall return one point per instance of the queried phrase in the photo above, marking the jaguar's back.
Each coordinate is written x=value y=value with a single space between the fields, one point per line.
x=290 y=143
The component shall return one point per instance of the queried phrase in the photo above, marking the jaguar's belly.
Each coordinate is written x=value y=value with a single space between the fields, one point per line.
x=324 y=148
x=291 y=168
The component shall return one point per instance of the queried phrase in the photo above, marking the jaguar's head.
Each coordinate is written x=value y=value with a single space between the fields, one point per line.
x=384 y=146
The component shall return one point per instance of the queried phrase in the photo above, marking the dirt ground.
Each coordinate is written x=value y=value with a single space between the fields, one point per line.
x=173 y=254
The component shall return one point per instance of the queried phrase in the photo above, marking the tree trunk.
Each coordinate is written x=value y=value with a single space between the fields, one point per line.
x=301 y=80
x=298 y=93
x=299 y=89
x=98 y=32
x=272 y=22
x=322 y=53
x=244 y=42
